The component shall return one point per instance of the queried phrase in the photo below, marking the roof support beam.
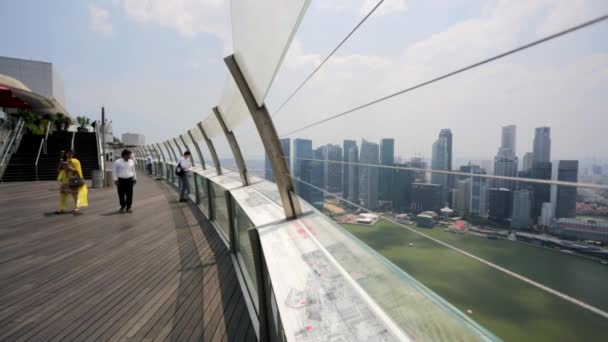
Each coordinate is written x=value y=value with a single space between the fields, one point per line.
x=234 y=147
x=211 y=147
x=198 y=150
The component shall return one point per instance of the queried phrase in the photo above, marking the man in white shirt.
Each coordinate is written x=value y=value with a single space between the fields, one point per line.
x=149 y=164
x=124 y=179
x=182 y=170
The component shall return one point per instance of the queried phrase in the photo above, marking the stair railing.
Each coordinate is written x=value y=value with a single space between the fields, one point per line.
x=38 y=156
x=46 y=138
x=11 y=146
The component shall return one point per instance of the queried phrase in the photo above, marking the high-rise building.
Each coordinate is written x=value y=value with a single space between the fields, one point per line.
x=402 y=188
x=419 y=163
x=286 y=146
x=353 y=178
x=528 y=161
x=368 y=175
x=426 y=197
x=331 y=155
x=387 y=158
x=317 y=176
x=542 y=192
x=442 y=160
x=542 y=144
x=479 y=193
x=41 y=77
x=566 y=195
x=501 y=201
x=522 y=203
x=505 y=162
x=508 y=138
x=346 y=167
x=547 y=214
x=133 y=139
x=462 y=196
x=302 y=166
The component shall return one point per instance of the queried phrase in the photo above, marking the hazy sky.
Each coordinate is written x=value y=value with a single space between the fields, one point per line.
x=157 y=67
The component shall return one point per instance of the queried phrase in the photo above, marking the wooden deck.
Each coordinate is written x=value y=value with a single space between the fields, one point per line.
x=159 y=274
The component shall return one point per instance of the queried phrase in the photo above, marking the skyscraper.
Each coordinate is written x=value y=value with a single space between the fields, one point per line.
x=542 y=192
x=501 y=201
x=368 y=175
x=566 y=195
x=479 y=193
x=332 y=167
x=528 y=161
x=353 y=175
x=505 y=162
x=387 y=158
x=442 y=160
x=542 y=144
x=347 y=167
x=419 y=163
x=426 y=197
x=302 y=166
x=462 y=196
x=522 y=202
x=317 y=176
x=402 y=188
x=286 y=145
x=508 y=138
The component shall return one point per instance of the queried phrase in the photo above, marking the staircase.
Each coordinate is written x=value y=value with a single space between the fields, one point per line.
x=22 y=166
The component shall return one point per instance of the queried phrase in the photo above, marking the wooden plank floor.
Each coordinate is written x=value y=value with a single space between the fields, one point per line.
x=159 y=274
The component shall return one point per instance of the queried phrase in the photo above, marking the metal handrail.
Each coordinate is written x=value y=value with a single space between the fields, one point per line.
x=15 y=140
x=100 y=156
x=38 y=157
x=46 y=138
x=72 y=144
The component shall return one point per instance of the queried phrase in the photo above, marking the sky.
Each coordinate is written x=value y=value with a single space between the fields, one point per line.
x=157 y=67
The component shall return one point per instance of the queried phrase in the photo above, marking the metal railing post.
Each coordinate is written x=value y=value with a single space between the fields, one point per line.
x=263 y=288
x=162 y=154
x=211 y=147
x=181 y=137
x=198 y=150
x=270 y=139
x=234 y=147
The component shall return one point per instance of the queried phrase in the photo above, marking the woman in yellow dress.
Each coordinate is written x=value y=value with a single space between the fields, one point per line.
x=69 y=170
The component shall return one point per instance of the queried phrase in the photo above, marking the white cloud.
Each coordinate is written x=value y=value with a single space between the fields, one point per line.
x=187 y=17
x=99 y=20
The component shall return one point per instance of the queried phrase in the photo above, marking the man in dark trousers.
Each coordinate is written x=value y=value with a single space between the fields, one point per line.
x=124 y=179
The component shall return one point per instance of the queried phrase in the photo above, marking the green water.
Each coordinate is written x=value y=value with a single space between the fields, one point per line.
x=510 y=308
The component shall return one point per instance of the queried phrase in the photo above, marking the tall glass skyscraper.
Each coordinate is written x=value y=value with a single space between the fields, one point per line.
x=442 y=160
x=368 y=175
x=566 y=195
x=387 y=157
x=302 y=150
x=349 y=179
x=542 y=144
x=505 y=162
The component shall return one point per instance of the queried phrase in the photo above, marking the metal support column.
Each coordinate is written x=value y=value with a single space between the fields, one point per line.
x=181 y=153
x=181 y=137
x=198 y=150
x=234 y=146
x=270 y=139
x=170 y=148
x=160 y=152
x=209 y=143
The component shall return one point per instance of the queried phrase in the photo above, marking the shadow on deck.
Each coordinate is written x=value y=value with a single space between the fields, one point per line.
x=161 y=273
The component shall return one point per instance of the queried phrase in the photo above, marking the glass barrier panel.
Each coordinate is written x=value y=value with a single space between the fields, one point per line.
x=192 y=186
x=243 y=250
x=202 y=193
x=220 y=210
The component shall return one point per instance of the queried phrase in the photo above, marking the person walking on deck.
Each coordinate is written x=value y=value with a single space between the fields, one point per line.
x=124 y=179
x=149 y=163
x=72 y=183
x=182 y=171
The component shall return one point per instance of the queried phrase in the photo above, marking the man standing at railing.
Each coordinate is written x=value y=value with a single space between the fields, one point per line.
x=124 y=179
x=149 y=163
x=182 y=170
